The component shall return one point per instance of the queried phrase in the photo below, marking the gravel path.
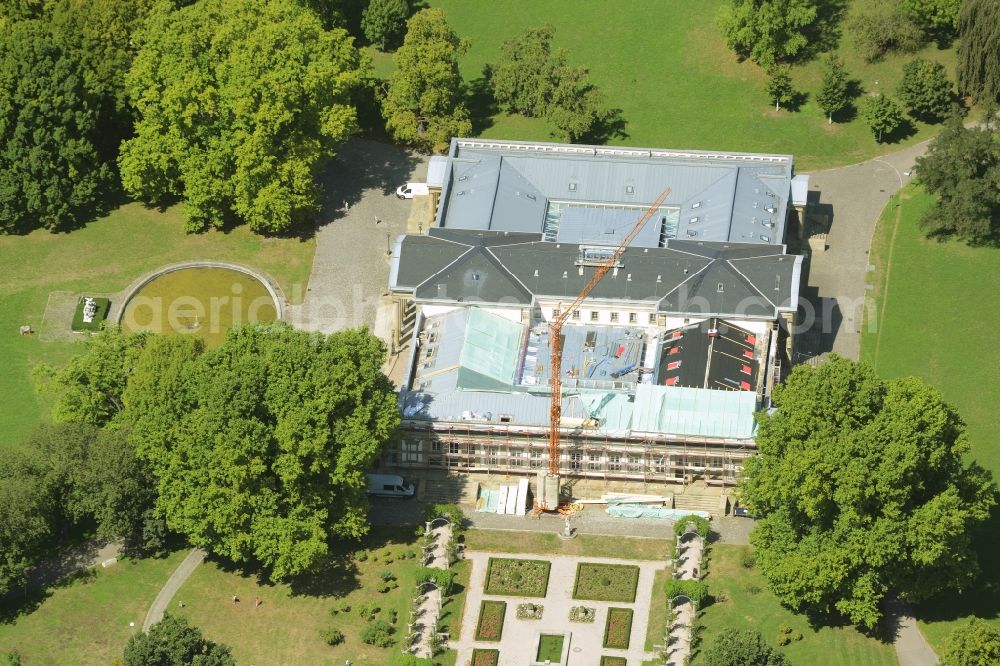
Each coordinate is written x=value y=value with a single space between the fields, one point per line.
x=169 y=589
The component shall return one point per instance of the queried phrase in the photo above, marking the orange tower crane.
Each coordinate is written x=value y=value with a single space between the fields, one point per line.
x=555 y=339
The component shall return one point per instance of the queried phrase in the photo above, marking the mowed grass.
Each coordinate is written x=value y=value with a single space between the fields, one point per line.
x=744 y=602
x=105 y=256
x=285 y=628
x=87 y=621
x=657 y=627
x=584 y=545
x=937 y=311
x=666 y=66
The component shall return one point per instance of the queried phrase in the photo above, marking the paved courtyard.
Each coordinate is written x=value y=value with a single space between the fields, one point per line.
x=518 y=642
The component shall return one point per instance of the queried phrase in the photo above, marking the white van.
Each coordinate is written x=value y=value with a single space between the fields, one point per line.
x=410 y=190
x=389 y=485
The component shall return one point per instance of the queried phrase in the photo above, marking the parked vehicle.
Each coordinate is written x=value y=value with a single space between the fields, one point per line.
x=410 y=190
x=389 y=485
x=742 y=512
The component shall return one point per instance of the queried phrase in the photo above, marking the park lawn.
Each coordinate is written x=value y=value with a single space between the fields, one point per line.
x=105 y=256
x=657 y=627
x=584 y=545
x=285 y=628
x=950 y=346
x=744 y=602
x=86 y=621
x=667 y=67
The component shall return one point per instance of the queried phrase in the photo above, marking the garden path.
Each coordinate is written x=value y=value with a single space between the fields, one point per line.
x=520 y=637
x=689 y=551
x=169 y=589
x=425 y=623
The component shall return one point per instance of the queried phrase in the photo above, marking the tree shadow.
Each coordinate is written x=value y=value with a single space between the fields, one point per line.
x=798 y=98
x=824 y=34
x=480 y=102
x=611 y=125
x=905 y=130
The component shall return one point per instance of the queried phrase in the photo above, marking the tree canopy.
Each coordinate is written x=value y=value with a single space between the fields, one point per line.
x=779 y=86
x=882 y=115
x=976 y=643
x=51 y=172
x=962 y=167
x=423 y=104
x=833 y=93
x=260 y=446
x=934 y=15
x=384 y=22
x=881 y=27
x=925 y=90
x=768 y=31
x=742 y=647
x=978 y=53
x=862 y=487
x=239 y=104
x=174 y=642
x=26 y=515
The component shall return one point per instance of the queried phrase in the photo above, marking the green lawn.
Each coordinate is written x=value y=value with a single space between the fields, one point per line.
x=87 y=621
x=105 y=256
x=937 y=309
x=744 y=602
x=285 y=628
x=666 y=66
x=584 y=545
x=657 y=627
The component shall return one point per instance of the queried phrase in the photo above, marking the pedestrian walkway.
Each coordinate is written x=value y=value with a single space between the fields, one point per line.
x=690 y=548
x=169 y=589
x=424 y=623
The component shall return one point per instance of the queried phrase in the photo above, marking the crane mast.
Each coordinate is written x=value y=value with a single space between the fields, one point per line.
x=555 y=336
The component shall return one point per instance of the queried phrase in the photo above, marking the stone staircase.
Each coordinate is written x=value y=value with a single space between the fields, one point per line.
x=698 y=497
x=448 y=490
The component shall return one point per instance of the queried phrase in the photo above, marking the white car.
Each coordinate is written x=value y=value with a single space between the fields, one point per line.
x=410 y=190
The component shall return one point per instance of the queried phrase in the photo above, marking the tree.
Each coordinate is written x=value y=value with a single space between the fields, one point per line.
x=525 y=76
x=423 y=105
x=881 y=27
x=934 y=15
x=742 y=647
x=882 y=115
x=260 y=446
x=63 y=451
x=768 y=31
x=577 y=108
x=863 y=487
x=384 y=22
x=26 y=515
x=978 y=55
x=779 y=86
x=89 y=387
x=833 y=93
x=976 y=643
x=240 y=103
x=925 y=90
x=962 y=168
x=51 y=173
x=117 y=488
x=174 y=642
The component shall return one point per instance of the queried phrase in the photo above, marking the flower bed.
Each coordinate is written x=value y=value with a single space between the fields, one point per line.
x=481 y=657
x=517 y=578
x=582 y=614
x=491 y=615
x=529 y=611
x=613 y=661
x=618 y=628
x=606 y=582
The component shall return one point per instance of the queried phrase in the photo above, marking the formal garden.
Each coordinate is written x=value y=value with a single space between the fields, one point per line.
x=606 y=582
x=517 y=578
x=618 y=628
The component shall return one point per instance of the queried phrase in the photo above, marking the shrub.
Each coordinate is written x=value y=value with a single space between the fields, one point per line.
x=383 y=587
x=443 y=578
x=695 y=590
x=582 y=614
x=345 y=606
x=752 y=589
x=361 y=556
x=387 y=575
x=407 y=659
x=378 y=633
x=883 y=27
x=368 y=610
x=332 y=636
x=784 y=629
x=491 y=617
x=393 y=616
x=452 y=512
x=529 y=611
x=749 y=560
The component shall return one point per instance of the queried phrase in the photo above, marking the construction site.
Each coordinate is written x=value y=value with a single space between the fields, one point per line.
x=632 y=364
